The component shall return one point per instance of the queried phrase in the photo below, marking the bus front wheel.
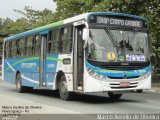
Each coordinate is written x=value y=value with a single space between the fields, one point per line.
x=113 y=96
x=19 y=86
x=139 y=91
x=63 y=92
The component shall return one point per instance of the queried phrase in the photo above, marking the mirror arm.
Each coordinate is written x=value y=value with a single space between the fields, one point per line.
x=85 y=37
x=85 y=44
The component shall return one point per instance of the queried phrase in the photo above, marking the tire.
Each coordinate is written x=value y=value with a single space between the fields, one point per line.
x=19 y=86
x=113 y=96
x=139 y=91
x=63 y=92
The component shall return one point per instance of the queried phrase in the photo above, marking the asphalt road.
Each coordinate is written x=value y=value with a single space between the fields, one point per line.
x=48 y=102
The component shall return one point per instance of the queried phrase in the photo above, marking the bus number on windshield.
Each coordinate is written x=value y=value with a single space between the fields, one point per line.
x=135 y=58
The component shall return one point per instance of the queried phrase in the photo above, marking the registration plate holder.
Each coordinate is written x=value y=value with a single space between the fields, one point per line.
x=124 y=84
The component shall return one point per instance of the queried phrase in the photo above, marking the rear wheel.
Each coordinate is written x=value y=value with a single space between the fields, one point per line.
x=19 y=86
x=114 y=96
x=63 y=91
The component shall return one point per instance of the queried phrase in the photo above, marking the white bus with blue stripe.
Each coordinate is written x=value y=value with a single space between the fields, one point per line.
x=91 y=52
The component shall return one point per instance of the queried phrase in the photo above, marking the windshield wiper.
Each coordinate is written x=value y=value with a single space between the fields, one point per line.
x=133 y=34
x=111 y=37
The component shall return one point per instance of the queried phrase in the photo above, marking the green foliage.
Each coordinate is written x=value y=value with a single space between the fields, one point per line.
x=30 y=19
x=36 y=18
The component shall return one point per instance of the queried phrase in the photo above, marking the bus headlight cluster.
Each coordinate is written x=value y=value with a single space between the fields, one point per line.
x=144 y=76
x=96 y=75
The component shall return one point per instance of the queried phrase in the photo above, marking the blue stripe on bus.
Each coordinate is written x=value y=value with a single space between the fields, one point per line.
x=118 y=73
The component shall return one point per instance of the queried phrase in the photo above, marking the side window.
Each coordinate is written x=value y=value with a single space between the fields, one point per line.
x=14 y=48
x=37 y=45
x=30 y=50
x=10 y=49
x=6 y=50
x=21 y=47
x=18 y=48
x=66 y=39
x=53 y=42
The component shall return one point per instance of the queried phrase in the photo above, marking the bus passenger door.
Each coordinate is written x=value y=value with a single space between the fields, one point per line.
x=78 y=58
x=42 y=79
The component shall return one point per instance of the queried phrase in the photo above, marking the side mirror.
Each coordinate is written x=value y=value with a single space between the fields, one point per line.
x=85 y=37
x=85 y=34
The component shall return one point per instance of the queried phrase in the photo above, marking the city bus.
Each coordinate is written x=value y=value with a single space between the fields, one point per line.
x=89 y=53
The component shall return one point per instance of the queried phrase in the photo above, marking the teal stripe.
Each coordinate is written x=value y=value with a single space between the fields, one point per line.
x=20 y=61
x=32 y=58
x=55 y=59
x=114 y=71
x=46 y=27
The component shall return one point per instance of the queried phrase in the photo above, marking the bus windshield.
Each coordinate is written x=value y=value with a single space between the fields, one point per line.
x=107 y=45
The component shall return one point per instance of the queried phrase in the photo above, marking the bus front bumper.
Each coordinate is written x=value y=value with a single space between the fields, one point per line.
x=93 y=85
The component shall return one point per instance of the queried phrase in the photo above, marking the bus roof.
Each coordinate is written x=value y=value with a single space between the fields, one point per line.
x=69 y=20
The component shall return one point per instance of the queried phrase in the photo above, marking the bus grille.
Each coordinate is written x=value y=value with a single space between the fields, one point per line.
x=123 y=77
x=117 y=85
x=123 y=87
x=122 y=67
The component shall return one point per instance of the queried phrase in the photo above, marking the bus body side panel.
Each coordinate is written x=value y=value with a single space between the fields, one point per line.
x=28 y=68
x=30 y=74
x=66 y=68
x=9 y=75
x=9 y=70
x=51 y=67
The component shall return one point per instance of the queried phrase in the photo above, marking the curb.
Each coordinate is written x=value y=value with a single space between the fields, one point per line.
x=152 y=91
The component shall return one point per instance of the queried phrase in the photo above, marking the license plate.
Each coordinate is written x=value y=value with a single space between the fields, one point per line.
x=135 y=58
x=124 y=84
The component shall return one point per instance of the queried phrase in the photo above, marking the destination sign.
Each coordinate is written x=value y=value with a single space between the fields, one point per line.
x=120 y=21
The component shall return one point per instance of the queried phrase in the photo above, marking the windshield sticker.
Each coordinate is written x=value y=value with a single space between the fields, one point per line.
x=111 y=56
x=98 y=54
x=121 y=58
x=135 y=58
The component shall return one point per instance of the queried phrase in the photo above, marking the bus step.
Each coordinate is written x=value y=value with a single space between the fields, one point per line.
x=78 y=91
x=80 y=88
x=41 y=88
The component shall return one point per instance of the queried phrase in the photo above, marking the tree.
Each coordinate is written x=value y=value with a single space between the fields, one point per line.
x=70 y=8
x=10 y=27
x=36 y=18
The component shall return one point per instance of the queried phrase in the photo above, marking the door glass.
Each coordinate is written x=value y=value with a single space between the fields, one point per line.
x=80 y=56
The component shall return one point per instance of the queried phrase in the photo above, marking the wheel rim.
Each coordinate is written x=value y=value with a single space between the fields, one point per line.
x=63 y=87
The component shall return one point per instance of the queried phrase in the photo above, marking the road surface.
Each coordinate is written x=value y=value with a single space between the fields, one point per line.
x=48 y=102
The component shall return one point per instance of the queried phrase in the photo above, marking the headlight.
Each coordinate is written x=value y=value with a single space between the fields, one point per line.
x=96 y=75
x=91 y=72
x=144 y=76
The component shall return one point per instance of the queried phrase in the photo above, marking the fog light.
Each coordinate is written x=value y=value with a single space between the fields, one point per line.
x=91 y=72
x=144 y=76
